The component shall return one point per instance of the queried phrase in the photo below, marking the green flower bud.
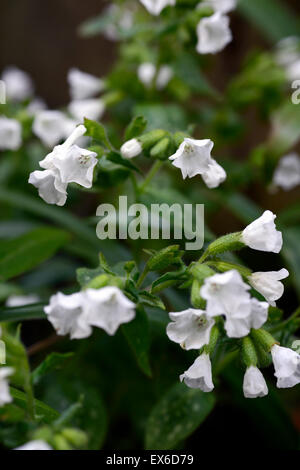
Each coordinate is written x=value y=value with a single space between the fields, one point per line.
x=149 y=139
x=160 y=150
x=98 y=282
x=165 y=257
x=61 y=443
x=264 y=338
x=200 y=272
x=196 y=300
x=249 y=352
x=229 y=242
x=75 y=437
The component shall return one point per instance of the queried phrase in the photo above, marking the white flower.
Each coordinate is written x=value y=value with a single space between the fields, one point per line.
x=108 y=308
x=293 y=71
x=156 y=6
x=36 y=106
x=83 y=85
x=146 y=73
x=287 y=51
x=38 y=444
x=130 y=149
x=193 y=157
x=51 y=189
x=262 y=234
x=214 y=176
x=213 y=34
x=5 y=396
x=191 y=328
x=227 y=294
x=51 y=127
x=164 y=75
x=254 y=385
x=20 y=300
x=268 y=284
x=90 y=109
x=259 y=314
x=66 y=314
x=223 y=6
x=74 y=164
x=287 y=366
x=199 y=374
x=10 y=134
x=18 y=84
x=287 y=174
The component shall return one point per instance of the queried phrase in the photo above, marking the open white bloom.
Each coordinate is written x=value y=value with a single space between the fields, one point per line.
x=254 y=384
x=83 y=85
x=10 y=134
x=66 y=314
x=259 y=314
x=287 y=366
x=146 y=73
x=92 y=108
x=156 y=6
x=5 y=396
x=268 y=284
x=130 y=149
x=19 y=85
x=74 y=164
x=20 y=300
x=122 y=20
x=193 y=157
x=164 y=75
x=223 y=6
x=199 y=374
x=108 y=308
x=262 y=234
x=287 y=173
x=36 y=106
x=288 y=51
x=213 y=34
x=51 y=127
x=190 y=328
x=38 y=444
x=214 y=176
x=227 y=294
x=50 y=187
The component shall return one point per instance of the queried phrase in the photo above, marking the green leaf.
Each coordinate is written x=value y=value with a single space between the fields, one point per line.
x=168 y=279
x=44 y=413
x=27 y=312
x=177 y=415
x=245 y=209
x=28 y=251
x=137 y=334
x=53 y=361
x=151 y=300
x=98 y=132
x=273 y=17
x=169 y=117
x=136 y=127
x=115 y=157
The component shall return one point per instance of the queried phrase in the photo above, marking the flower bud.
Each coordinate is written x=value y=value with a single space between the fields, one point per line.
x=160 y=150
x=248 y=352
x=132 y=148
x=196 y=300
x=165 y=257
x=75 y=437
x=149 y=139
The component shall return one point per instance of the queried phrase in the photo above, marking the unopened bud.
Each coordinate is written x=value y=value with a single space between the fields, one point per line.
x=132 y=148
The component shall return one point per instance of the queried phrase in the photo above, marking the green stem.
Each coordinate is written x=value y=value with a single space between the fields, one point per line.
x=28 y=312
x=157 y=165
x=285 y=322
x=142 y=276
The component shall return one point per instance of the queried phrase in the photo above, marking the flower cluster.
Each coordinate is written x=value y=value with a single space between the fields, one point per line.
x=228 y=305
x=287 y=173
x=106 y=308
x=67 y=163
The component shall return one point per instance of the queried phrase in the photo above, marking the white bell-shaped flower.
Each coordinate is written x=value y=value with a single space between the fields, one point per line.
x=67 y=315
x=108 y=308
x=20 y=300
x=5 y=396
x=83 y=85
x=190 y=328
x=287 y=366
x=214 y=176
x=262 y=234
x=51 y=127
x=199 y=375
x=164 y=75
x=10 y=134
x=193 y=157
x=213 y=34
x=130 y=149
x=156 y=6
x=37 y=444
x=227 y=294
x=49 y=185
x=259 y=314
x=254 y=384
x=287 y=173
x=36 y=106
x=268 y=284
x=92 y=108
x=146 y=73
x=18 y=84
